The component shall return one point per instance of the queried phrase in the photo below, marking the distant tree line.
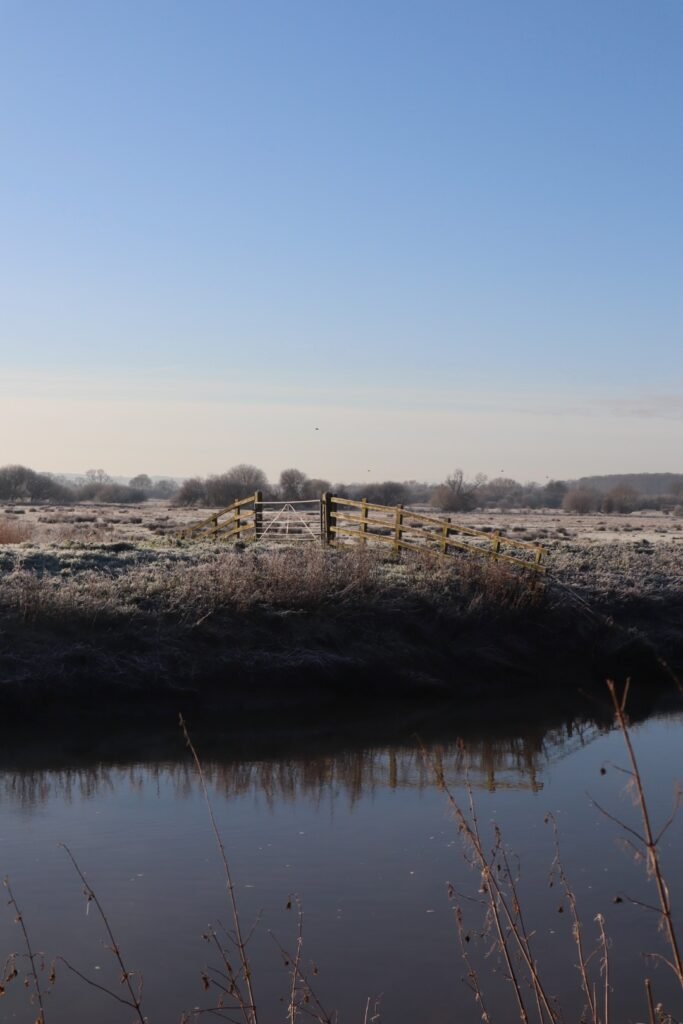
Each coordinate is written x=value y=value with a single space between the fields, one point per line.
x=624 y=493
x=21 y=484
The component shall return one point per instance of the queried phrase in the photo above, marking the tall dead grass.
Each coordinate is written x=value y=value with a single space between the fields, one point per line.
x=14 y=533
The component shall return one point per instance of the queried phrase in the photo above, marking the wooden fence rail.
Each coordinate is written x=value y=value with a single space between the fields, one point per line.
x=239 y=521
x=344 y=521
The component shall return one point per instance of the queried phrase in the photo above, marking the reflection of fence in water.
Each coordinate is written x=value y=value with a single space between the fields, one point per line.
x=491 y=764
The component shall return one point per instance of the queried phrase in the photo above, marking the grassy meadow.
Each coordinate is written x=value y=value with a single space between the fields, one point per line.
x=101 y=600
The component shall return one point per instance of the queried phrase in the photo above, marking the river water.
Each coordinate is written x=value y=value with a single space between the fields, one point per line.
x=362 y=835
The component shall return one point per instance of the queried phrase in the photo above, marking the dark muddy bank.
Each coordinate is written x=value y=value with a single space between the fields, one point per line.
x=121 y=628
x=275 y=660
x=521 y=727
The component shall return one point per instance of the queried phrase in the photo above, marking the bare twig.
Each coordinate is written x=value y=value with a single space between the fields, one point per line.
x=30 y=955
x=372 y=1011
x=489 y=885
x=247 y=1005
x=576 y=923
x=650 y=1001
x=135 y=1001
x=505 y=918
x=296 y=966
x=604 y=967
x=303 y=996
x=472 y=976
x=648 y=839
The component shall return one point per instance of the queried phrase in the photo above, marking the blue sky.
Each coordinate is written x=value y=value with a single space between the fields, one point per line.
x=444 y=233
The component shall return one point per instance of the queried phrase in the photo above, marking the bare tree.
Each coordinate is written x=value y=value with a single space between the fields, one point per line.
x=554 y=493
x=247 y=479
x=292 y=486
x=620 y=499
x=141 y=482
x=456 y=494
x=238 y=482
x=581 y=500
x=97 y=476
x=19 y=483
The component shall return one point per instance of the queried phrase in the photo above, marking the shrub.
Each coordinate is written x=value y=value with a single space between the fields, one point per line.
x=111 y=494
x=191 y=492
x=581 y=500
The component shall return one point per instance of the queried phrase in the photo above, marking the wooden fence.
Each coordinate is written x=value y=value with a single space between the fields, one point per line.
x=402 y=529
x=344 y=521
x=239 y=521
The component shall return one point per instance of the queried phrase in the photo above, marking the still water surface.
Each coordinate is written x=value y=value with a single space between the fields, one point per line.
x=367 y=841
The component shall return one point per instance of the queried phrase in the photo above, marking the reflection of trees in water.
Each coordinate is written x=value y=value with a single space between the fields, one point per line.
x=504 y=763
x=493 y=763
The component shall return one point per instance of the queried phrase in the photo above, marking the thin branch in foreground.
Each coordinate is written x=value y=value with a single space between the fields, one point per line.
x=303 y=998
x=372 y=1010
x=570 y=896
x=648 y=839
x=604 y=966
x=30 y=955
x=504 y=911
x=472 y=976
x=247 y=1005
x=135 y=1001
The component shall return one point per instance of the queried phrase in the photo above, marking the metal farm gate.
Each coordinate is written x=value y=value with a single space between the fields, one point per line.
x=289 y=520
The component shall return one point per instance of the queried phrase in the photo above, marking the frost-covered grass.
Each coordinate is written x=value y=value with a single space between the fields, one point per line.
x=620 y=570
x=99 y=523
x=95 y=562
x=93 y=581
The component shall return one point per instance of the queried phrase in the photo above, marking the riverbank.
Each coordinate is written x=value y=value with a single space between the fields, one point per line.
x=126 y=627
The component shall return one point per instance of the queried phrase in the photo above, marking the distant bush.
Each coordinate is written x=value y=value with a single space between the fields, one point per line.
x=111 y=494
x=164 y=489
x=581 y=500
x=191 y=492
x=161 y=489
x=141 y=482
x=620 y=499
x=224 y=488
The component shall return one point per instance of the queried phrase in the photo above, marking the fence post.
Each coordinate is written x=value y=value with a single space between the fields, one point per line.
x=495 y=544
x=444 y=536
x=364 y=524
x=398 y=532
x=258 y=514
x=326 y=517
